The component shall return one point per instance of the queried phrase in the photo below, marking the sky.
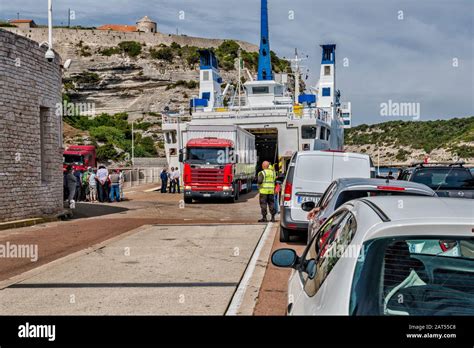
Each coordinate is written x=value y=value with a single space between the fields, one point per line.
x=389 y=52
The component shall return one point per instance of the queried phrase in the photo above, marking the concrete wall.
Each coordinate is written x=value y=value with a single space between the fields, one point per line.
x=31 y=183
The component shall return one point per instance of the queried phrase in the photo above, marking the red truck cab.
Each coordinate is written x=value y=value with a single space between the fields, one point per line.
x=80 y=157
x=212 y=170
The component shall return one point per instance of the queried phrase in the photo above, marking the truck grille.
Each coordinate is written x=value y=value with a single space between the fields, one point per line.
x=205 y=175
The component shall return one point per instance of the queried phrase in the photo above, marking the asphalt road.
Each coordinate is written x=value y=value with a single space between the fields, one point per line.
x=182 y=259
x=159 y=270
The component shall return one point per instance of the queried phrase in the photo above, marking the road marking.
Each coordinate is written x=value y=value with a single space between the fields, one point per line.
x=239 y=294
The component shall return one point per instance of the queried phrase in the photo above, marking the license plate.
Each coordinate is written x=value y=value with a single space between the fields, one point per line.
x=303 y=199
x=207 y=195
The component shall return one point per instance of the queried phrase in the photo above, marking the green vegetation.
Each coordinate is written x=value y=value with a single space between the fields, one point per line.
x=4 y=24
x=129 y=48
x=227 y=53
x=86 y=77
x=165 y=53
x=114 y=131
x=110 y=51
x=191 y=84
x=402 y=155
x=190 y=54
x=106 y=152
x=428 y=135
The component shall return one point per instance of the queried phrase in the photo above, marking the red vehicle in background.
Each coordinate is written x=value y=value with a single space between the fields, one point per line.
x=218 y=162
x=80 y=157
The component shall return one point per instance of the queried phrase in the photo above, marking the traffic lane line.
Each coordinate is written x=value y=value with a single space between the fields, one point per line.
x=244 y=284
x=273 y=294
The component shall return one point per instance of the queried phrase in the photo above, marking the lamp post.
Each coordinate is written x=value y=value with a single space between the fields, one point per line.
x=133 y=145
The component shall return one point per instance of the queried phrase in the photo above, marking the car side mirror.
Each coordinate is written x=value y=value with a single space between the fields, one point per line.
x=285 y=258
x=181 y=156
x=308 y=206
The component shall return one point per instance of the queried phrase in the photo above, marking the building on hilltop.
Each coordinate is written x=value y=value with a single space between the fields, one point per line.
x=23 y=23
x=118 y=27
x=145 y=25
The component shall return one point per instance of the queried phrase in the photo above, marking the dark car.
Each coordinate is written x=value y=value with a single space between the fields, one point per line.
x=446 y=179
x=346 y=189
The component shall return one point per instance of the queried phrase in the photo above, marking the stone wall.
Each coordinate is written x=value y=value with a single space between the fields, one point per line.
x=105 y=38
x=31 y=183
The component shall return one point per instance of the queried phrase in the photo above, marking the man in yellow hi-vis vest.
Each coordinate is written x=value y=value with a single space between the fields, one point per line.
x=266 y=187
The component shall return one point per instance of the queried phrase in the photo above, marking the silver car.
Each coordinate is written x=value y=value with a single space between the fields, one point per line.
x=387 y=256
x=346 y=189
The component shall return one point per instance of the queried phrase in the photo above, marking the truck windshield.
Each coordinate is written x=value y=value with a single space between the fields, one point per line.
x=445 y=178
x=212 y=155
x=73 y=159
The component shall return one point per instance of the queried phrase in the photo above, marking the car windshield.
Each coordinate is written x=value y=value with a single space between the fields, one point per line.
x=73 y=159
x=212 y=155
x=415 y=276
x=444 y=178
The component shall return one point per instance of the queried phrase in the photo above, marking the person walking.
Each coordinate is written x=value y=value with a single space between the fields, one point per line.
x=172 y=182
x=78 y=192
x=114 y=186
x=176 y=176
x=266 y=188
x=85 y=184
x=92 y=187
x=164 y=180
x=122 y=181
x=71 y=183
x=102 y=178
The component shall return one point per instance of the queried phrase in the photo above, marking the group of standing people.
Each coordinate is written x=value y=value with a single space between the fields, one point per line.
x=93 y=185
x=170 y=179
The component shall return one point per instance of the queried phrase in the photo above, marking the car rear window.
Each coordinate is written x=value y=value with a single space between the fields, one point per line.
x=347 y=196
x=314 y=168
x=415 y=276
x=444 y=178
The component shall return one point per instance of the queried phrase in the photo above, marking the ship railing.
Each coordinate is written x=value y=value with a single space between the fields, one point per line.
x=292 y=112
x=175 y=118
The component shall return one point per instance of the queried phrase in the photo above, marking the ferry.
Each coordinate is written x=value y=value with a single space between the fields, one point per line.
x=283 y=122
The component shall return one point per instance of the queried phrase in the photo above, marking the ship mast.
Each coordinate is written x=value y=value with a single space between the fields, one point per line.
x=264 y=60
x=296 y=70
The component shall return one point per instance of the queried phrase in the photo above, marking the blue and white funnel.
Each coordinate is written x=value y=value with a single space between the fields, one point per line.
x=264 y=60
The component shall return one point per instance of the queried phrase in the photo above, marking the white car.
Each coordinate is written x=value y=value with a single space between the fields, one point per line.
x=309 y=175
x=387 y=256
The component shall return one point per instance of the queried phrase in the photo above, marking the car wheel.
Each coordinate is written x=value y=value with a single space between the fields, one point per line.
x=284 y=234
x=188 y=200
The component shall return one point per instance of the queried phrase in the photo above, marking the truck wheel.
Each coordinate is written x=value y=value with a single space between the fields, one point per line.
x=284 y=234
x=188 y=200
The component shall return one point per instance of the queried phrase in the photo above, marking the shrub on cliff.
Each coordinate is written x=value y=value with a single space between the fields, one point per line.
x=86 y=77
x=106 y=152
x=110 y=51
x=130 y=48
x=165 y=53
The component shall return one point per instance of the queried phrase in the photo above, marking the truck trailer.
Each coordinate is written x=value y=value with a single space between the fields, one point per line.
x=218 y=162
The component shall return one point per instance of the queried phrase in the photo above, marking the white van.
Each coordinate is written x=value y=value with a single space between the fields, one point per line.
x=308 y=176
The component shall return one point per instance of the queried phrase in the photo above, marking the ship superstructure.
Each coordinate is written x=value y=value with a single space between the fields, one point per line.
x=283 y=122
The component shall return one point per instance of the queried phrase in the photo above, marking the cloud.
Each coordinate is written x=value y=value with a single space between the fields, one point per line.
x=405 y=60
